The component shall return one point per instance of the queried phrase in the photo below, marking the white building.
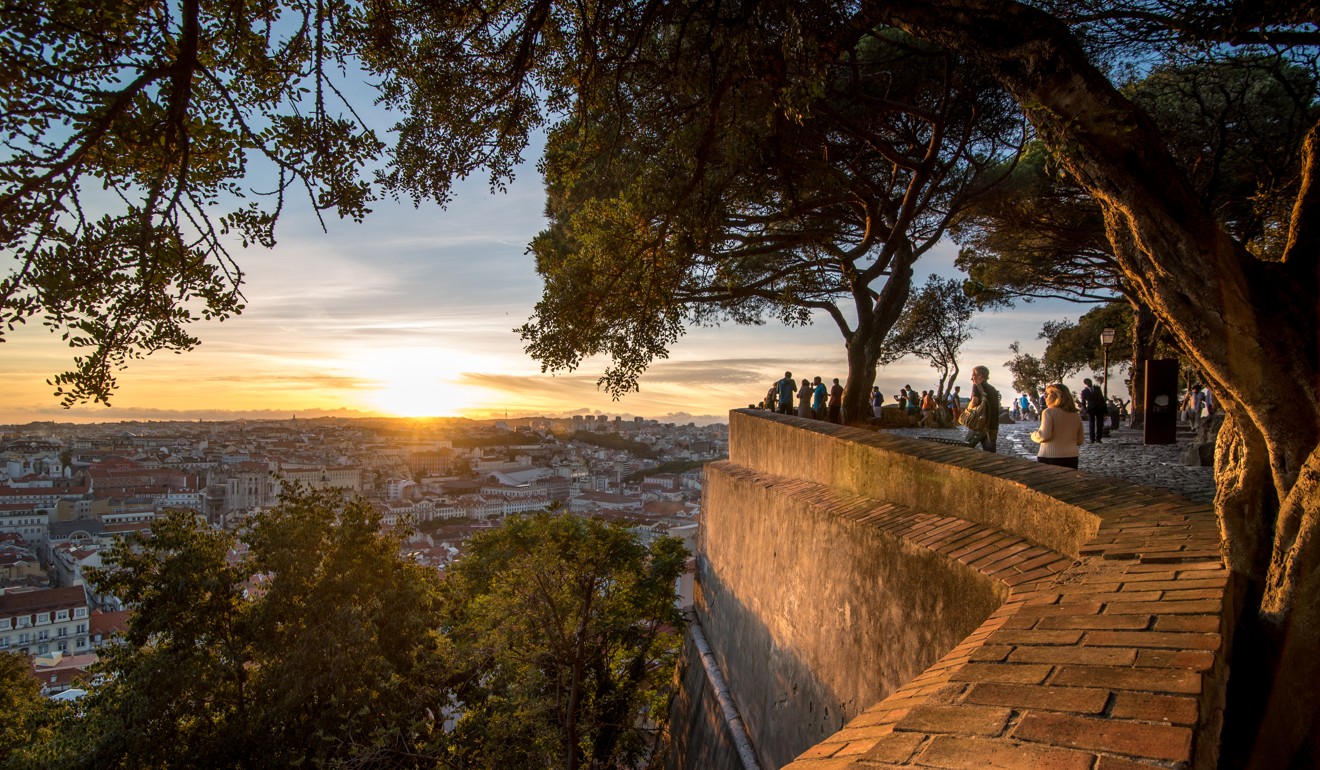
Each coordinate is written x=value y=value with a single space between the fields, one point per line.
x=39 y=621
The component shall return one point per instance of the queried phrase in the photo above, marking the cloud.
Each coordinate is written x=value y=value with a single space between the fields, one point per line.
x=123 y=414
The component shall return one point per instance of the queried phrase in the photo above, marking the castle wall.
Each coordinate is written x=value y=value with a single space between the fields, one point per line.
x=870 y=597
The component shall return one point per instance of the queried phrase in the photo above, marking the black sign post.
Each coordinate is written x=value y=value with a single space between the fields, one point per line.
x=1161 y=426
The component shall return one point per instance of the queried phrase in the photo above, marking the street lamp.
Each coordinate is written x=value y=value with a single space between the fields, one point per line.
x=1107 y=339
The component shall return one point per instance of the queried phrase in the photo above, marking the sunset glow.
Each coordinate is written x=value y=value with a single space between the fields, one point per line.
x=412 y=313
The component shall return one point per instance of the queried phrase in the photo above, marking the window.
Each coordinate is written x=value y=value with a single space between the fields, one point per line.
x=24 y=638
x=43 y=618
x=62 y=646
x=6 y=624
x=61 y=615
x=63 y=632
x=4 y=642
x=80 y=629
x=24 y=621
x=43 y=635
x=80 y=612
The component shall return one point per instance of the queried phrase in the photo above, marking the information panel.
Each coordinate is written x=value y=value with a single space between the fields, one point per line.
x=1161 y=426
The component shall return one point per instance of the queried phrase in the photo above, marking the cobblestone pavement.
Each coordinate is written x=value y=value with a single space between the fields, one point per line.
x=1121 y=455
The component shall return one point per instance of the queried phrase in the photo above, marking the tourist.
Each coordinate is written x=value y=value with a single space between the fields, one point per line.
x=818 y=399
x=955 y=403
x=985 y=396
x=877 y=401
x=769 y=402
x=836 y=403
x=804 y=398
x=1093 y=404
x=1197 y=404
x=927 y=409
x=785 y=388
x=913 y=406
x=1060 y=431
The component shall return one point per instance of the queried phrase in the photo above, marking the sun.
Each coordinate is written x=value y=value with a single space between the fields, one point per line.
x=416 y=382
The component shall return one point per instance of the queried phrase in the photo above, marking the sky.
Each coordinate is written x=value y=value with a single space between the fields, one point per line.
x=412 y=313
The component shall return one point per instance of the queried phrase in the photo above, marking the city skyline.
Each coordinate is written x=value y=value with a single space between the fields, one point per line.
x=412 y=313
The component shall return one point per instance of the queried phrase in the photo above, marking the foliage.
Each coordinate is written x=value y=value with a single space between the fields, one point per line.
x=131 y=129
x=315 y=648
x=934 y=326
x=1234 y=124
x=1241 y=307
x=672 y=466
x=565 y=632
x=1231 y=123
x=492 y=438
x=614 y=441
x=552 y=643
x=1030 y=373
x=737 y=182
x=1039 y=237
x=31 y=721
x=1076 y=346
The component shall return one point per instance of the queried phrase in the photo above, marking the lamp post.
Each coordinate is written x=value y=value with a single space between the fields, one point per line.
x=1107 y=339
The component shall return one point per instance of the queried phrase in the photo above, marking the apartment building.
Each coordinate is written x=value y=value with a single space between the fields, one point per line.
x=43 y=620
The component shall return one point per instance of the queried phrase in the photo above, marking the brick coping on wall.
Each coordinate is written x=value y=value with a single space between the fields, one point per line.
x=1112 y=660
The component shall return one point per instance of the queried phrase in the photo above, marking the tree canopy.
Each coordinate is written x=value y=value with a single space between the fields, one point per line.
x=565 y=632
x=132 y=134
x=935 y=324
x=143 y=107
x=723 y=189
x=312 y=640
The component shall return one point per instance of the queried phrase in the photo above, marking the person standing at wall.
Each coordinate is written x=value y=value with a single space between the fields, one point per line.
x=985 y=396
x=836 y=402
x=804 y=398
x=818 y=399
x=1060 y=432
x=786 y=387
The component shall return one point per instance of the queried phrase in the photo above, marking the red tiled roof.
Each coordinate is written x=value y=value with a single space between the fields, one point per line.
x=106 y=623
x=12 y=602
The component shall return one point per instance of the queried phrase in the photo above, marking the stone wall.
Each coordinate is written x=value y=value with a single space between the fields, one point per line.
x=875 y=601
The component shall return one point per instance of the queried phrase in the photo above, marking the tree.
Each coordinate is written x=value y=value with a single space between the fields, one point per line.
x=565 y=633
x=552 y=643
x=1250 y=324
x=131 y=136
x=477 y=80
x=1228 y=122
x=31 y=722
x=1029 y=373
x=314 y=648
x=934 y=326
x=714 y=196
x=1076 y=346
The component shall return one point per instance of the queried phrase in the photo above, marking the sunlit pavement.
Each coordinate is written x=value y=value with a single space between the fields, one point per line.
x=1121 y=455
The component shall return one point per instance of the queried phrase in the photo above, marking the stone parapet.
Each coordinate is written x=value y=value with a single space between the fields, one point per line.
x=1047 y=618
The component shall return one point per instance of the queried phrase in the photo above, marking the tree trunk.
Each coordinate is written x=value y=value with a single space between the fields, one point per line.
x=875 y=319
x=1250 y=326
x=1143 y=348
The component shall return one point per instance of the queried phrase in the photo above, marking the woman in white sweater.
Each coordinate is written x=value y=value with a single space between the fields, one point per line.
x=1061 y=431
